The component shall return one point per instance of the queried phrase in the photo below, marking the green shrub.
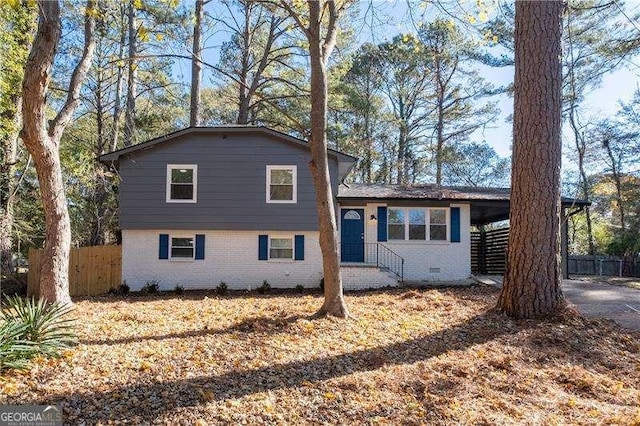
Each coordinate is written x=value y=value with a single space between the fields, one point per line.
x=300 y=288
x=123 y=289
x=41 y=326
x=221 y=288
x=151 y=287
x=264 y=288
x=179 y=289
x=14 y=351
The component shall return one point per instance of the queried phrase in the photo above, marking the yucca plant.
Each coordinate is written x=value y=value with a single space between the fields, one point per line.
x=14 y=351
x=43 y=324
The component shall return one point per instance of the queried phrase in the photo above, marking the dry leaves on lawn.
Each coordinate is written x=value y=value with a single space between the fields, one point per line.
x=409 y=356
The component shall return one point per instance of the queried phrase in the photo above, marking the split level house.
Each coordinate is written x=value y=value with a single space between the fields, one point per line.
x=236 y=204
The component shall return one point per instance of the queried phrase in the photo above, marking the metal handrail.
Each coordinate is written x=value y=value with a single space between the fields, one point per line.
x=390 y=260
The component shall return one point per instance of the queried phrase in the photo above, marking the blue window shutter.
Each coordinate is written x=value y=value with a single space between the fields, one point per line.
x=455 y=224
x=299 y=245
x=382 y=224
x=199 y=246
x=163 y=252
x=263 y=247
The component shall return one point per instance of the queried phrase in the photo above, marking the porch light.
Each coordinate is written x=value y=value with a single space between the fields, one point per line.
x=373 y=218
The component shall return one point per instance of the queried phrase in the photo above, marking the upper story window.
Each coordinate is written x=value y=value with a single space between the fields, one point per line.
x=182 y=183
x=282 y=184
x=411 y=224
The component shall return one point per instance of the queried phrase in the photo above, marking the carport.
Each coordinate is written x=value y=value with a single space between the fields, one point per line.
x=490 y=216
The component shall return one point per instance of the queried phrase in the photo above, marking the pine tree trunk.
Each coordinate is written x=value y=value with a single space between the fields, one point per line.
x=581 y=148
x=129 y=128
x=440 y=139
x=618 y=184
x=117 y=105
x=402 y=150
x=196 y=65
x=532 y=279
x=243 y=75
x=440 y=122
x=586 y=196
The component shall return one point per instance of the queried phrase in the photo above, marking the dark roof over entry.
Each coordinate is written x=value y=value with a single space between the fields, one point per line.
x=487 y=204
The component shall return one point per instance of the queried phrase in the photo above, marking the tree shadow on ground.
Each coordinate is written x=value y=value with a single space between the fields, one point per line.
x=591 y=347
x=265 y=324
x=258 y=324
x=145 y=402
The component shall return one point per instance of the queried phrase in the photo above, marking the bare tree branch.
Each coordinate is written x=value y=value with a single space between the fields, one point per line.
x=57 y=126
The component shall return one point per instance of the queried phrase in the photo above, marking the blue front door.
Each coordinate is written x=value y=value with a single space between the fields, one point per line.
x=352 y=235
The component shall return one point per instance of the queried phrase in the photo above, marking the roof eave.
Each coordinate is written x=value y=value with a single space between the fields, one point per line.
x=114 y=156
x=565 y=202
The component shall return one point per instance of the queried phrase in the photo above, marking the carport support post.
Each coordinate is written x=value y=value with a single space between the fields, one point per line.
x=482 y=251
x=564 y=244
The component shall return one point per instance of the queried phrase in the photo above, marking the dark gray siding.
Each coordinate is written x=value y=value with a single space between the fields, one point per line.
x=231 y=185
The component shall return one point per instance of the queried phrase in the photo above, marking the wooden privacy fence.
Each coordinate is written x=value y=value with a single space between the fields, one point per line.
x=489 y=251
x=92 y=270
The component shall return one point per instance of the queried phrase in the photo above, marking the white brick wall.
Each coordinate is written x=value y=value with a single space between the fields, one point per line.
x=453 y=259
x=230 y=256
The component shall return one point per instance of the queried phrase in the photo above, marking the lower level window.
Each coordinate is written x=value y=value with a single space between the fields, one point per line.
x=281 y=248
x=182 y=248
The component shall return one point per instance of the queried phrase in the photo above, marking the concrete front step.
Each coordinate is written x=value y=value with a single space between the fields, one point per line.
x=362 y=276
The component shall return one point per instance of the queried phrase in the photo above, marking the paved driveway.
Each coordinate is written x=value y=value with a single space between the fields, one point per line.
x=597 y=300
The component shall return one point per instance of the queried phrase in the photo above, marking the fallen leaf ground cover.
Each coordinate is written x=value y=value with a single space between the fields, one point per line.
x=438 y=356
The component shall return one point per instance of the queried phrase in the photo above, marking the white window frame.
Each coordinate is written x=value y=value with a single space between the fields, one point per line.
x=427 y=211
x=182 y=259
x=427 y=217
x=406 y=229
x=446 y=224
x=294 y=170
x=170 y=168
x=281 y=237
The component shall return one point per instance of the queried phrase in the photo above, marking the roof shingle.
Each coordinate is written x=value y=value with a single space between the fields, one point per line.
x=430 y=192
